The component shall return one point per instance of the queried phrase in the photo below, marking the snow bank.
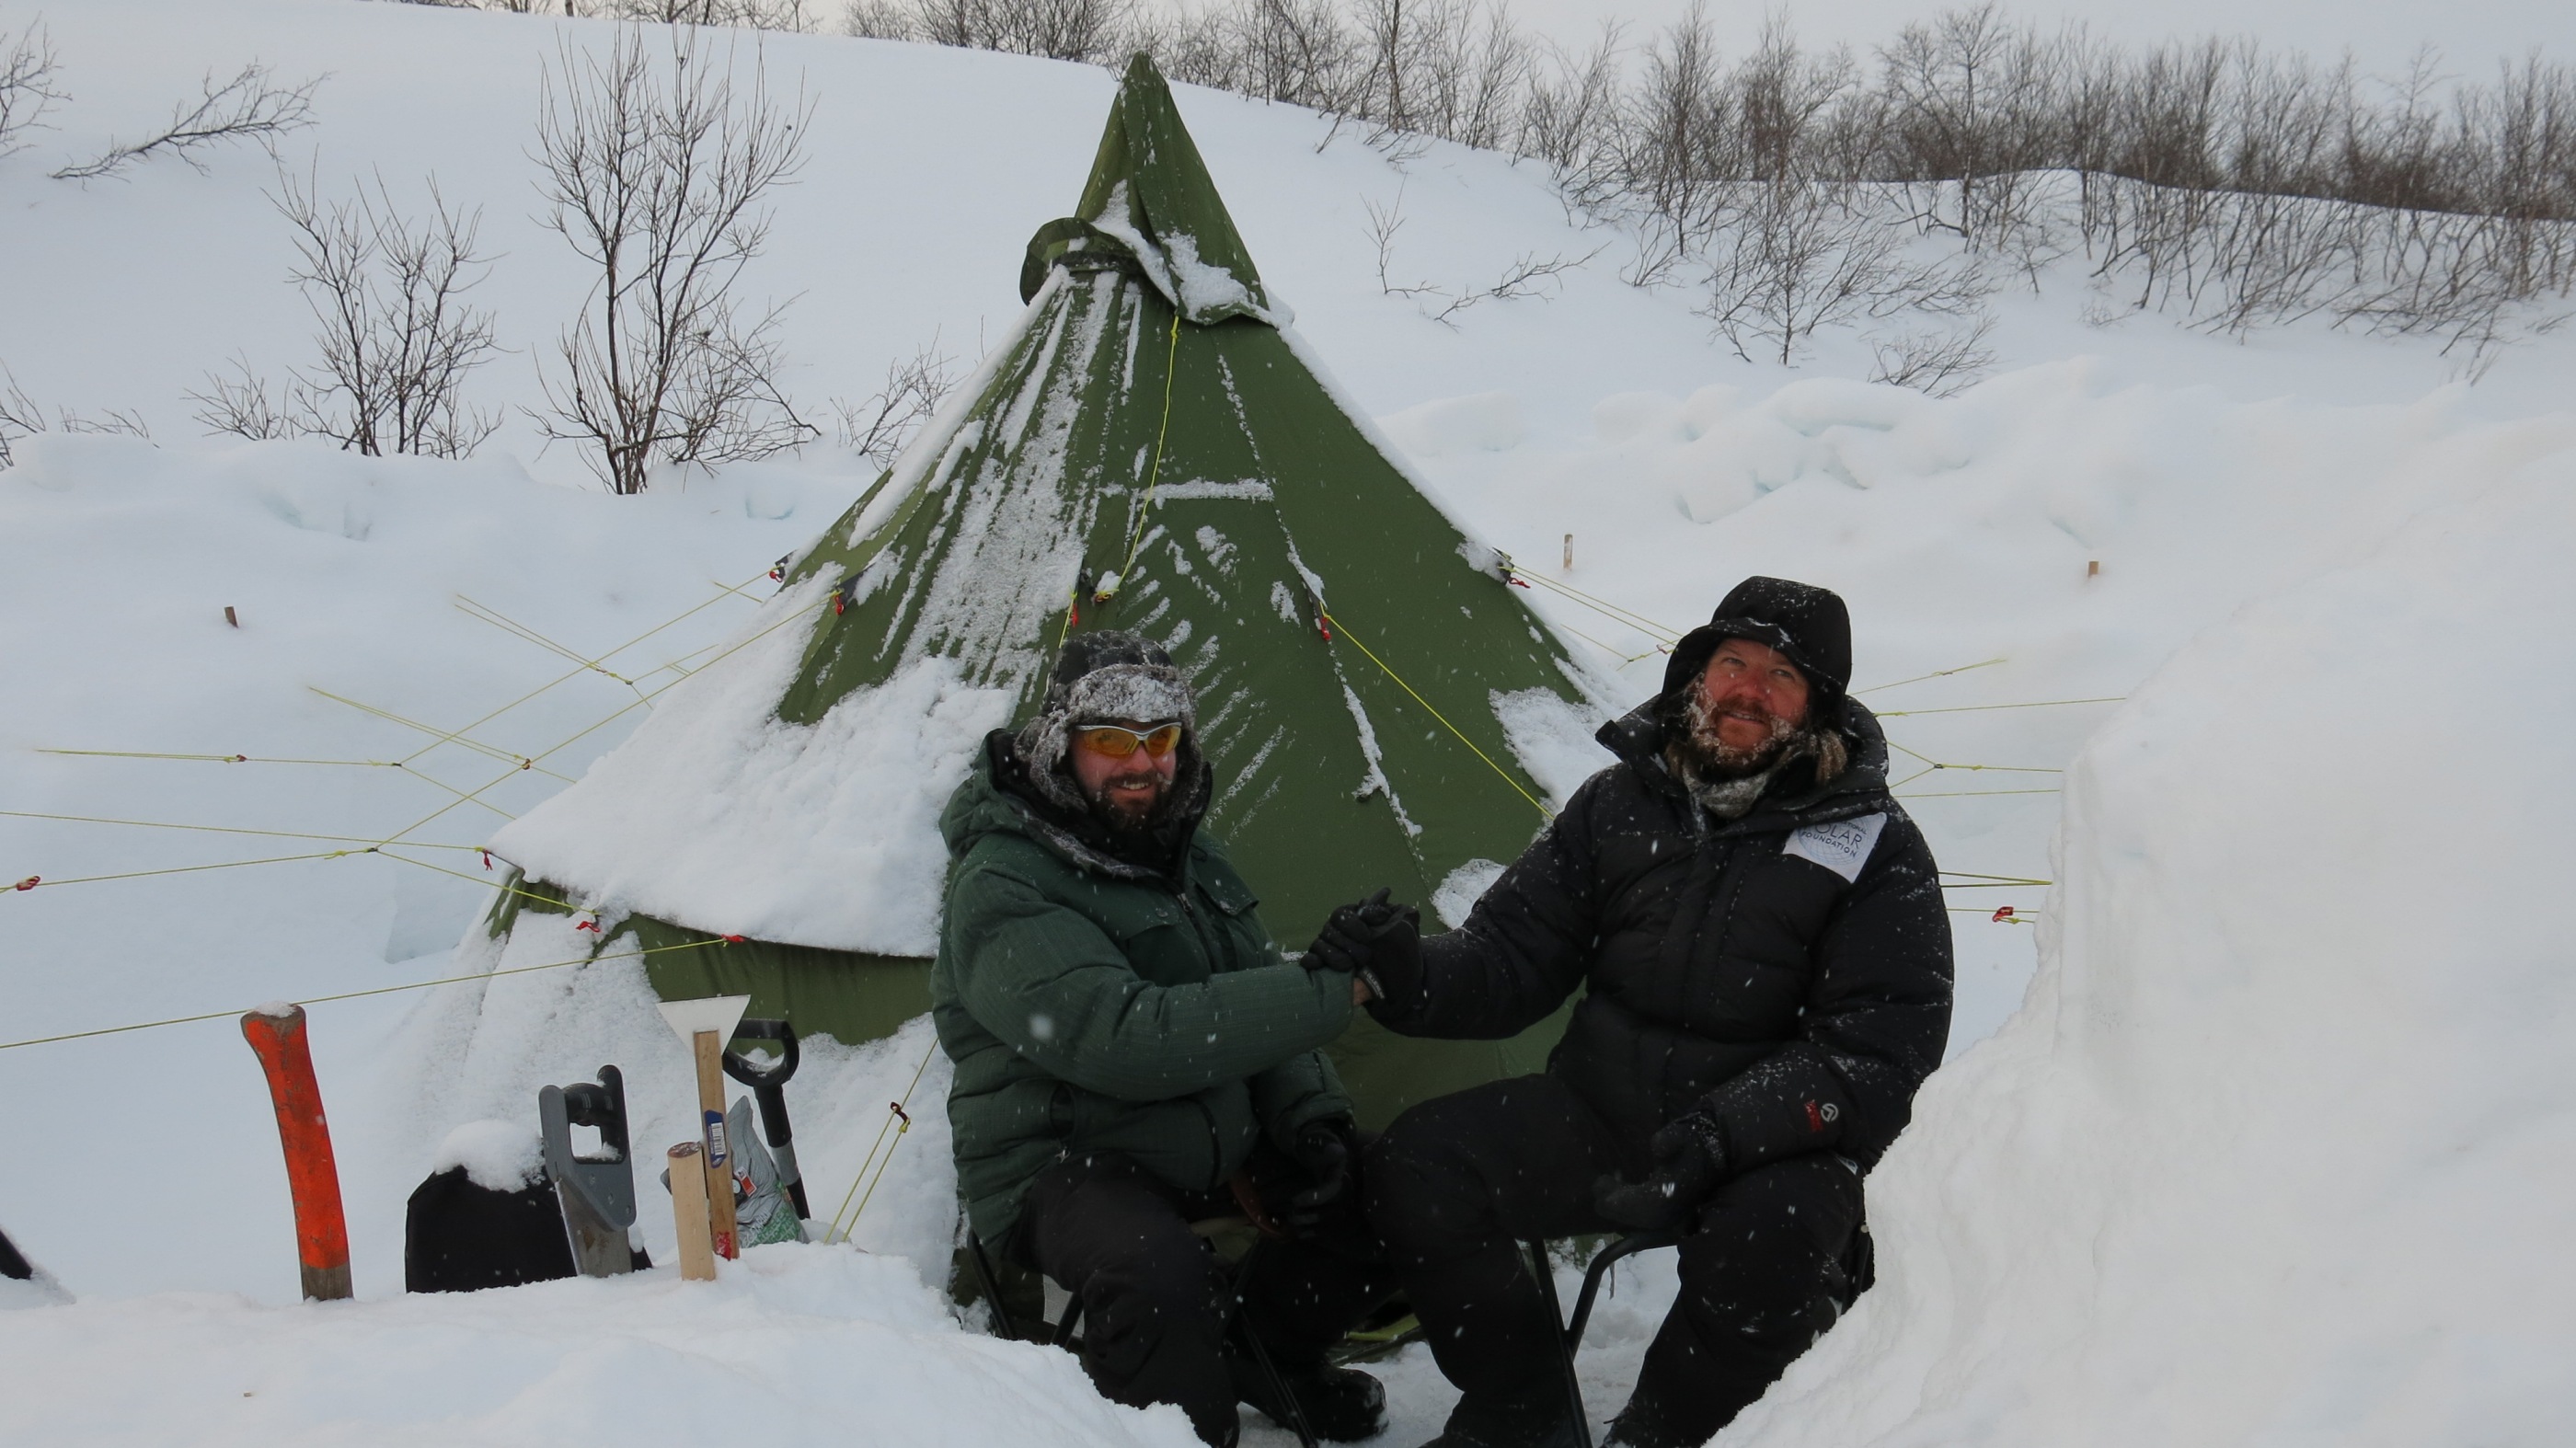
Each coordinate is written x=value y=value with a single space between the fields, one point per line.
x=2278 y=1152
x=719 y=816
x=793 y=1344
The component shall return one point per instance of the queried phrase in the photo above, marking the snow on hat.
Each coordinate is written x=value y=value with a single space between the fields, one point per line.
x=1113 y=675
x=1807 y=623
x=1102 y=678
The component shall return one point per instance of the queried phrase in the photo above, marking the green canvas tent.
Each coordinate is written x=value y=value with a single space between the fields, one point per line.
x=1150 y=449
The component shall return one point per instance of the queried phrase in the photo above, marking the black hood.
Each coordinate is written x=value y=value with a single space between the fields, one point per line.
x=1807 y=623
x=1796 y=797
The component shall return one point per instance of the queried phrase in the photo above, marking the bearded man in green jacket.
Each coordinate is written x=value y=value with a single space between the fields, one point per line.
x=1133 y=1054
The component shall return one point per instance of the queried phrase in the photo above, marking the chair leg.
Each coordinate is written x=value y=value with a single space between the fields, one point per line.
x=1537 y=1255
x=1236 y=1322
x=990 y=1285
x=1602 y=1262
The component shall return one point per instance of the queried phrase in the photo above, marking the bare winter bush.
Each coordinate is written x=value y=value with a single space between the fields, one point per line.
x=1528 y=275
x=2236 y=186
x=249 y=107
x=658 y=173
x=28 y=88
x=397 y=336
x=1935 y=361
x=878 y=426
x=21 y=417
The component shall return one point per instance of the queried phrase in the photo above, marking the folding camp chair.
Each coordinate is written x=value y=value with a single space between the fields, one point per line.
x=1569 y=1336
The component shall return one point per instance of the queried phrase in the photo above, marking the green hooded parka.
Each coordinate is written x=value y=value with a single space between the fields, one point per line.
x=1091 y=1005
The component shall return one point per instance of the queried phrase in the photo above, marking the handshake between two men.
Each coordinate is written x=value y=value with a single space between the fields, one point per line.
x=1756 y=933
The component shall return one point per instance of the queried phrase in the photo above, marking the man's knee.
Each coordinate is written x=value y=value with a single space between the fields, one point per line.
x=1768 y=1265
x=1422 y=1182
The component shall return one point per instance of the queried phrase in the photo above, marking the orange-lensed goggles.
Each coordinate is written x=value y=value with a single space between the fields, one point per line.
x=1112 y=741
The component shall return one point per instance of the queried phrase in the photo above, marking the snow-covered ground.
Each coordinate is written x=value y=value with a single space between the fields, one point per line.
x=2268 y=1157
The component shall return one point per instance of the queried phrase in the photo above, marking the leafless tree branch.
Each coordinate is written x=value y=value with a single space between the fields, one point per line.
x=28 y=88
x=877 y=426
x=249 y=107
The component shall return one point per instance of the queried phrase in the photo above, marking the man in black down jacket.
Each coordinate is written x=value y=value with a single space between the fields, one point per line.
x=1759 y=934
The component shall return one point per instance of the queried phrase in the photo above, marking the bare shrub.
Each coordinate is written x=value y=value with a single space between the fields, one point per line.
x=878 y=426
x=27 y=85
x=249 y=107
x=792 y=15
x=397 y=336
x=658 y=176
x=22 y=417
x=1792 y=256
x=1942 y=363
x=1528 y=275
x=242 y=405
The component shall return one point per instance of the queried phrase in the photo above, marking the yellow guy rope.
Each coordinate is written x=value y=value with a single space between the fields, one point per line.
x=1153 y=478
x=350 y=995
x=1535 y=802
x=893 y=1115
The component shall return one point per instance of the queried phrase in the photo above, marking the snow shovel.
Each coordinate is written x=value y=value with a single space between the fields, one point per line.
x=704 y=1026
x=769 y=1086
x=596 y=1192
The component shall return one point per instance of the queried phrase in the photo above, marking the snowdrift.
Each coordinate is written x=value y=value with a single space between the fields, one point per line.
x=2277 y=1152
x=792 y=1345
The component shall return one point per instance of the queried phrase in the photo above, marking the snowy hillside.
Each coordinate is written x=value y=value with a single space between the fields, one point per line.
x=2267 y=1156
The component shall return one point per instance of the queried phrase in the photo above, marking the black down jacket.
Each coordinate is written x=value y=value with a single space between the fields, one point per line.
x=1788 y=972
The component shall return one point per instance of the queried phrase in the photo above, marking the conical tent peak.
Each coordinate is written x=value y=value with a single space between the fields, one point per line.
x=1151 y=204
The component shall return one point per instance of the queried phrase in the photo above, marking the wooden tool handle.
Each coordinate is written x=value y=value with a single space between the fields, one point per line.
x=689 y=1213
x=321 y=1231
x=709 y=1048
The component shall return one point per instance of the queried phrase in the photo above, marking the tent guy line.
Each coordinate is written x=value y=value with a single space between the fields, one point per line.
x=1535 y=802
x=351 y=995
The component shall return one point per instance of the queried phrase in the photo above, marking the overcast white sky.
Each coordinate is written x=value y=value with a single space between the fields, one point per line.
x=2472 y=34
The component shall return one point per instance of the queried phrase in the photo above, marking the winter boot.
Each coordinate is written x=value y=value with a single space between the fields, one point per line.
x=1342 y=1405
x=1519 y=1422
x=1645 y=1423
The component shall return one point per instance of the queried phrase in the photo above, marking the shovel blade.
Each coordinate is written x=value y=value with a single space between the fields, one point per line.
x=719 y=1014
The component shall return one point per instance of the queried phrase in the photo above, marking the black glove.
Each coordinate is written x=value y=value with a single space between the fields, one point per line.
x=1689 y=1164
x=1323 y=1152
x=1376 y=941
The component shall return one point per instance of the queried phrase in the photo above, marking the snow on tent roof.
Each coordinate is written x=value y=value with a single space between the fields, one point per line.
x=1146 y=450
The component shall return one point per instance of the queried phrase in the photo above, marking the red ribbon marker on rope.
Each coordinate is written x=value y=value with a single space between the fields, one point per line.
x=2004 y=916
x=30 y=883
x=897 y=1108
x=590 y=925
x=487 y=859
x=733 y=940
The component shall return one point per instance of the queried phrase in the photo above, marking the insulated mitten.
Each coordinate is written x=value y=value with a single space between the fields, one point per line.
x=1690 y=1161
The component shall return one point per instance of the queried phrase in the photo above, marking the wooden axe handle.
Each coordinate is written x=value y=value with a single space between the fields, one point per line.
x=321 y=1231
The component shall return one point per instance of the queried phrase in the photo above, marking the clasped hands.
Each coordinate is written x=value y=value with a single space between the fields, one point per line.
x=1377 y=944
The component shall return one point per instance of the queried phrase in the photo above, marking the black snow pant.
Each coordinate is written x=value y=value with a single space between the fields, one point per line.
x=1765 y=1269
x=1155 y=1297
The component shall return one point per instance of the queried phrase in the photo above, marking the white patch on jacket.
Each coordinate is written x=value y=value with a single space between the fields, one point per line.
x=1841 y=846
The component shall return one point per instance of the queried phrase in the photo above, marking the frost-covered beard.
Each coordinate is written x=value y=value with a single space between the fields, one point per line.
x=1728 y=782
x=1132 y=828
